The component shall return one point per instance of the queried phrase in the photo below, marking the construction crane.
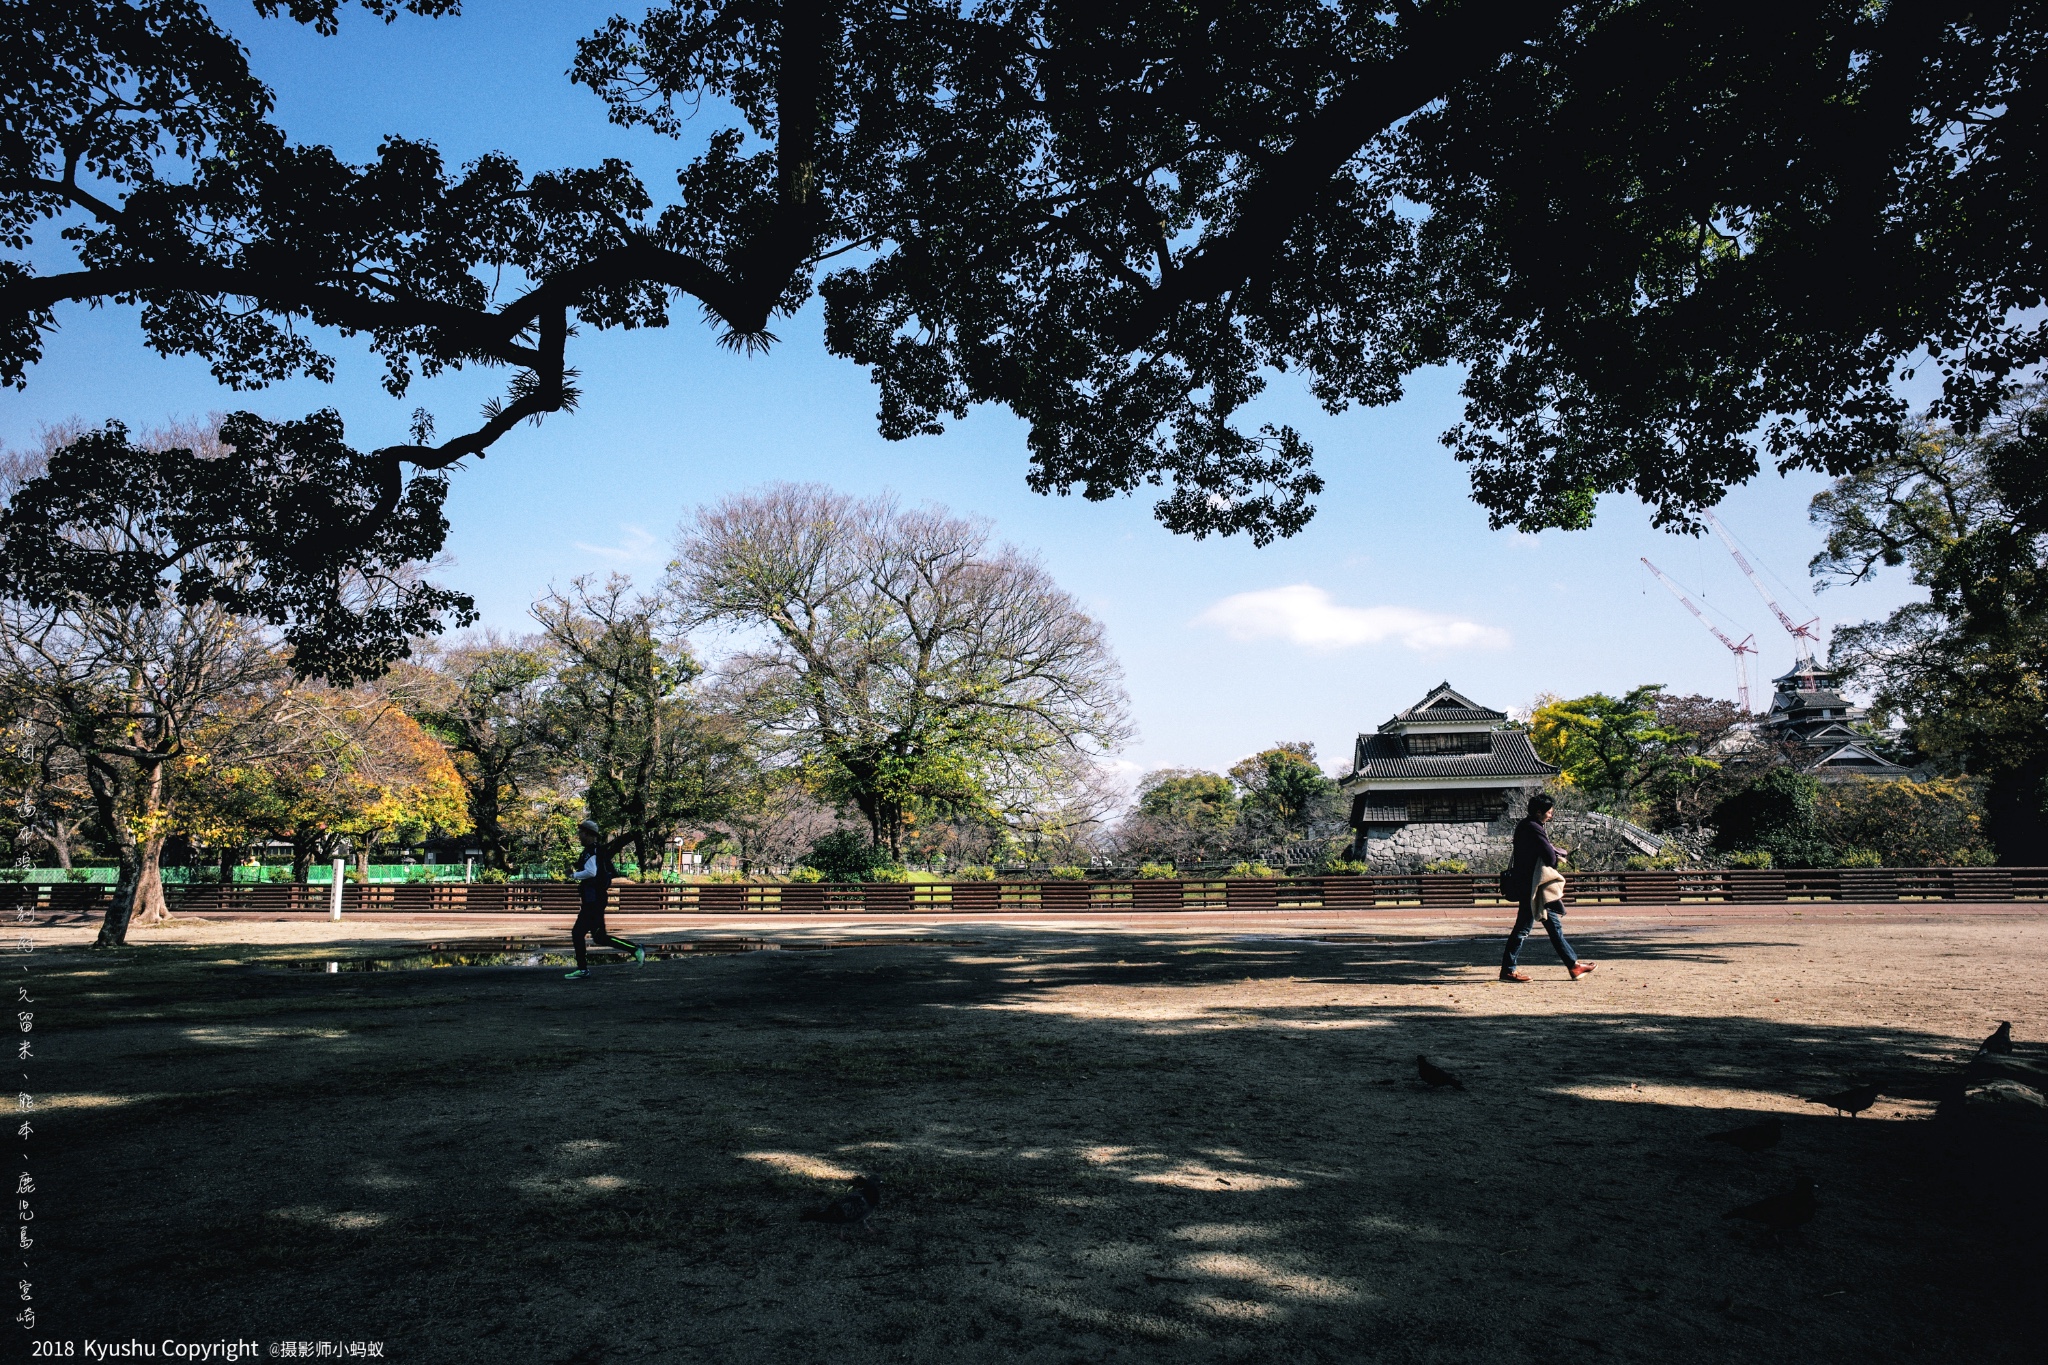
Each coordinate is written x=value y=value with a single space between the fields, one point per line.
x=1748 y=645
x=1806 y=636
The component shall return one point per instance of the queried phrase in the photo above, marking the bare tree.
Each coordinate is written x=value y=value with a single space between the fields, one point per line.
x=1068 y=816
x=48 y=802
x=624 y=714
x=773 y=820
x=907 y=664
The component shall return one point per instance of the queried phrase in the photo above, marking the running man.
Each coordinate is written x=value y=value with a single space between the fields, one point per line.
x=594 y=881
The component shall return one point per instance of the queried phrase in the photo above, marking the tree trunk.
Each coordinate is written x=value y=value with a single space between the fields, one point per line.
x=150 y=906
x=114 y=926
x=302 y=856
x=138 y=888
x=490 y=836
x=60 y=844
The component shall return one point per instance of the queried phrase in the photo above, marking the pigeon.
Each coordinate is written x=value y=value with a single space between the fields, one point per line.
x=1752 y=1137
x=1852 y=1101
x=2000 y=1041
x=850 y=1208
x=1434 y=1076
x=1791 y=1208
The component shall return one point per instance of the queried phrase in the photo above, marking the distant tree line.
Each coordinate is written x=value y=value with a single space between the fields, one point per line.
x=1275 y=807
x=809 y=659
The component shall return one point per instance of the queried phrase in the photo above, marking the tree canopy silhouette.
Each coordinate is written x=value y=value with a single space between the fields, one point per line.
x=1664 y=241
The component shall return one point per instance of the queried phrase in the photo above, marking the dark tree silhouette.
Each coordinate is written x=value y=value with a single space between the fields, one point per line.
x=1665 y=241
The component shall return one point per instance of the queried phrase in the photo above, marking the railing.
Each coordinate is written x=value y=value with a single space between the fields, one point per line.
x=1427 y=890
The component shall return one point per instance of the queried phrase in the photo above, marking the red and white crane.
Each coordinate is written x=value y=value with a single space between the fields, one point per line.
x=1748 y=645
x=1807 y=638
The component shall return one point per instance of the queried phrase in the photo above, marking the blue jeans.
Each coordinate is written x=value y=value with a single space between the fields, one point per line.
x=1553 y=923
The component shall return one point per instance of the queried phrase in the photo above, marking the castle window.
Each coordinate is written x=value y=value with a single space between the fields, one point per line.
x=1455 y=807
x=1469 y=743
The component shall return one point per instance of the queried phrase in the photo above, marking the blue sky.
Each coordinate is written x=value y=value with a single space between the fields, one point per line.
x=1396 y=585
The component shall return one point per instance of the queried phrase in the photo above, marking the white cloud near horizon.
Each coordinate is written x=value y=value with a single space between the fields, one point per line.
x=1305 y=615
x=637 y=546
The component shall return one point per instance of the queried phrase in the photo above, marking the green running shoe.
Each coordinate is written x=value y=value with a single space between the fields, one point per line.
x=580 y=971
x=640 y=952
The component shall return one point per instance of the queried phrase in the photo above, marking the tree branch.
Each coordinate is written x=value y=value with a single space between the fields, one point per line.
x=1453 y=45
x=483 y=335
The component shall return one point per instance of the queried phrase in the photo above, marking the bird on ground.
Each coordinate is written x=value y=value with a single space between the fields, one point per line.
x=1852 y=1101
x=1790 y=1208
x=1752 y=1137
x=2000 y=1041
x=850 y=1208
x=1434 y=1076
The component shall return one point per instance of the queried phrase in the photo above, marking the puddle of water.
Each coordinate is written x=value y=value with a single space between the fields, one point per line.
x=517 y=953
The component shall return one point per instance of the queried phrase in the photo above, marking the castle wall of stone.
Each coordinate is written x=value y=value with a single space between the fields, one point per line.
x=1483 y=846
x=1595 y=840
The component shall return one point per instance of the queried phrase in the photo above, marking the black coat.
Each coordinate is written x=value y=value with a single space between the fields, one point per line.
x=1533 y=849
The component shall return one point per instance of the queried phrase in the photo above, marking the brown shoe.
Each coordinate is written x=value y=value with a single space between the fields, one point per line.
x=1514 y=976
x=1579 y=969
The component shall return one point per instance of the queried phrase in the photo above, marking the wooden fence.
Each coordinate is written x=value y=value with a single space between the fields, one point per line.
x=1429 y=890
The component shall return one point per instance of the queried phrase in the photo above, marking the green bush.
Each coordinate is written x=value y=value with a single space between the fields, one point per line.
x=1860 y=857
x=887 y=872
x=274 y=875
x=491 y=876
x=801 y=873
x=1156 y=871
x=1447 y=865
x=974 y=872
x=1776 y=814
x=78 y=874
x=844 y=855
x=1670 y=857
x=1071 y=874
x=1252 y=870
x=1750 y=857
x=1345 y=867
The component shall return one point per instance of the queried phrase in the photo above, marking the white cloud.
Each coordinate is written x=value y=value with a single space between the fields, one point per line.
x=637 y=546
x=1305 y=615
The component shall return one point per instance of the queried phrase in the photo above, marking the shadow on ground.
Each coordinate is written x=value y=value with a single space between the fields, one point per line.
x=1138 y=1149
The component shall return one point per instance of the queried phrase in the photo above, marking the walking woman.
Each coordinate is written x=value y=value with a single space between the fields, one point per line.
x=1533 y=853
x=593 y=886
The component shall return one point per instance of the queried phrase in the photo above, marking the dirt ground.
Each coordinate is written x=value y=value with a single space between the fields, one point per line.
x=1137 y=1144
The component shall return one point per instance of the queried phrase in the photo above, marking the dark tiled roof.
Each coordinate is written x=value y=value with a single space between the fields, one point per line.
x=1448 y=713
x=1805 y=669
x=1460 y=707
x=1809 y=701
x=1511 y=757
